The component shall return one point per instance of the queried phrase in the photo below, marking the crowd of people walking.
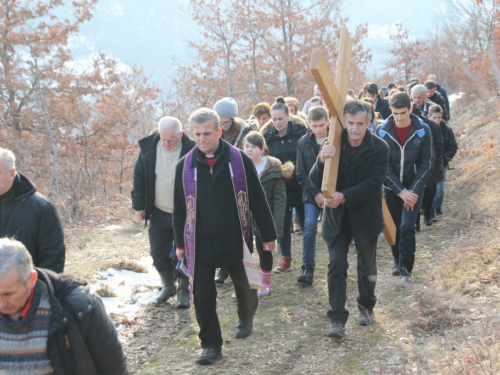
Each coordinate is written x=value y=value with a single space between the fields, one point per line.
x=209 y=198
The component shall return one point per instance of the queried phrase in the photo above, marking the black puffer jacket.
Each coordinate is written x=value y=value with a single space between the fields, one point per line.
x=438 y=99
x=383 y=107
x=410 y=166
x=143 y=191
x=444 y=94
x=307 y=153
x=285 y=149
x=218 y=230
x=30 y=218
x=449 y=142
x=437 y=141
x=361 y=184
x=82 y=338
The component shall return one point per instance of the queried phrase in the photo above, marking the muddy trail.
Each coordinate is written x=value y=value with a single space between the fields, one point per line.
x=290 y=325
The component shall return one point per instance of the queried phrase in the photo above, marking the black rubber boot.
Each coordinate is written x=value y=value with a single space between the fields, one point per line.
x=169 y=289
x=183 y=293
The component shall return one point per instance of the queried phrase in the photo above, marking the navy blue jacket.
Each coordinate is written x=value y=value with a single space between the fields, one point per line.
x=410 y=166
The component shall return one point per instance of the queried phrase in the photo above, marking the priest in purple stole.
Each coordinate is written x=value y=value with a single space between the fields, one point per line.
x=216 y=191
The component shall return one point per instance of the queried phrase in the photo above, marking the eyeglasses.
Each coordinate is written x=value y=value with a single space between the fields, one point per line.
x=226 y=123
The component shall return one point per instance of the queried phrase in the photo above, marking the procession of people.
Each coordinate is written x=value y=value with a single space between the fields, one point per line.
x=214 y=189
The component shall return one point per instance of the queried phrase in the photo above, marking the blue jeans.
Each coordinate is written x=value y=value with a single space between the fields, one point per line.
x=311 y=213
x=438 y=199
x=404 y=249
x=285 y=242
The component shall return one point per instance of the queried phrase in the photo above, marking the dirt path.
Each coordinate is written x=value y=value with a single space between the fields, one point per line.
x=291 y=325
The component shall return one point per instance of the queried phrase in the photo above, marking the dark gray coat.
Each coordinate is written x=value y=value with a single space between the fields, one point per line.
x=361 y=184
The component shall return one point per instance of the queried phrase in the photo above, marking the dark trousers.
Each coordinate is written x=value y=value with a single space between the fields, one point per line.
x=161 y=239
x=404 y=220
x=338 y=248
x=265 y=257
x=285 y=242
x=427 y=202
x=205 y=300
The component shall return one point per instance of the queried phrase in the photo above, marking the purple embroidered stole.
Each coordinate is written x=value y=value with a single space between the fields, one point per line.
x=238 y=177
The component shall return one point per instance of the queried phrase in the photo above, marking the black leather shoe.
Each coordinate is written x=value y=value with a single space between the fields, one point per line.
x=307 y=275
x=209 y=356
x=243 y=329
x=221 y=276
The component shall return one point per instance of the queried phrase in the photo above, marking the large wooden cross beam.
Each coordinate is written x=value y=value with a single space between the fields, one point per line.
x=334 y=92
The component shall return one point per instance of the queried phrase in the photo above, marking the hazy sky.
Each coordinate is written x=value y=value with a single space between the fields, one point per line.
x=150 y=32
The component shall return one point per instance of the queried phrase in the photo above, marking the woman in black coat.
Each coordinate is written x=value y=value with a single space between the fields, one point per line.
x=282 y=134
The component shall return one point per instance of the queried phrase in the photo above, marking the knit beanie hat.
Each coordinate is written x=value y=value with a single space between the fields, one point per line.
x=226 y=107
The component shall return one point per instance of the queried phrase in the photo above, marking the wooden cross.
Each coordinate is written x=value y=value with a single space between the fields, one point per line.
x=334 y=93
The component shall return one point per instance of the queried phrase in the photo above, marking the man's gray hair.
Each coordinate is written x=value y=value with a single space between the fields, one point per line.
x=202 y=115
x=13 y=255
x=170 y=123
x=419 y=88
x=355 y=106
x=8 y=158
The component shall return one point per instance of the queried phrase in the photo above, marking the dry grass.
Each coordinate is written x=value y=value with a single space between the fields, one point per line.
x=104 y=291
x=89 y=250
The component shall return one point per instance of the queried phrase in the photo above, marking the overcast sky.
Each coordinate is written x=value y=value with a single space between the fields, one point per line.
x=150 y=32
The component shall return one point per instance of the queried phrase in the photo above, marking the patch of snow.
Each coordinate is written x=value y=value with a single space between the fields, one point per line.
x=113 y=227
x=132 y=291
x=456 y=96
x=138 y=234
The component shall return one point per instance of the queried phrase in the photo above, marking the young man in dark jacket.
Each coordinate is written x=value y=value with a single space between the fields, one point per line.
x=29 y=217
x=216 y=189
x=444 y=94
x=381 y=105
x=353 y=210
x=450 y=149
x=307 y=152
x=411 y=156
x=153 y=198
x=50 y=323
x=437 y=167
x=435 y=96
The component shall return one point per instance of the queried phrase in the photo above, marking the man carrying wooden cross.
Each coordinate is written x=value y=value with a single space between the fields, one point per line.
x=354 y=209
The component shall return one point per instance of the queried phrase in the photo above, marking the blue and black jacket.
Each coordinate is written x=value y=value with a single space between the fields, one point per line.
x=410 y=165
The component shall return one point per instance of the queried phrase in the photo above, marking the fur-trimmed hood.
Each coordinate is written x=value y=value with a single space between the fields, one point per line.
x=275 y=169
x=297 y=120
